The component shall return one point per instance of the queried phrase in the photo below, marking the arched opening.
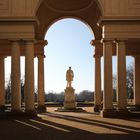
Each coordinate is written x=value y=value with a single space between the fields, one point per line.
x=55 y=11
x=79 y=9
x=69 y=45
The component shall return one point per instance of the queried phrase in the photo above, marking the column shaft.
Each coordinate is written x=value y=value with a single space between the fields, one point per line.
x=97 y=95
x=108 y=90
x=29 y=77
x=121 y=76
x=15 y=77
x=2 y=82
x=137 y=81
x=41 y=97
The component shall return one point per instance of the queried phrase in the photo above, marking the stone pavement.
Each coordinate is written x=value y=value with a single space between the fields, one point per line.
x=70 y=126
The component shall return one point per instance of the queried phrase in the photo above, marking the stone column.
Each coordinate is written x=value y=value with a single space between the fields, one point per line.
x=41 y=92
x=15 y=77
x=2 y=84
x=121 y=76
x=137 y=82
x=98 y=52
x=108 y=89
x=29 y=77
x=97 y=94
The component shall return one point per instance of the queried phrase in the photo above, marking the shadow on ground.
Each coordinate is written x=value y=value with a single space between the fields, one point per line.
x=39 y=129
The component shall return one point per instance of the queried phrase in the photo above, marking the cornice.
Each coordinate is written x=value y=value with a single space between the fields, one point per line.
x=4 y=20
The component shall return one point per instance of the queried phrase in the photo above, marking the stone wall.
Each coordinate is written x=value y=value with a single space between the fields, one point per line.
x=18 y=8
x=120 y=8
x=110 y=8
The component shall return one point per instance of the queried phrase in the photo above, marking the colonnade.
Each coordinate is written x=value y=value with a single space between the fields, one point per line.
x=107 y=47
x=29 y=77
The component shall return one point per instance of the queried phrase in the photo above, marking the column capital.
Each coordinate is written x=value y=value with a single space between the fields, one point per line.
x=41 y=56
x=95 y=42
x=120 y=40
x=107 y=40
x=97 y=56
x=14 y=41
x=41 y=42
x=17 y=41
x=120 y=43
x=29 y=42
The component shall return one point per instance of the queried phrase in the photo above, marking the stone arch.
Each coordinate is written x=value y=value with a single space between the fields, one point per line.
x=87 y=11
x=70 y=17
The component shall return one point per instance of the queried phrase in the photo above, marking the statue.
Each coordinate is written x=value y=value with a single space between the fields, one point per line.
x=69 y=77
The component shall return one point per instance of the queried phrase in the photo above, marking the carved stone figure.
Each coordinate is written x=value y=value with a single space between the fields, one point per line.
x=69 y=77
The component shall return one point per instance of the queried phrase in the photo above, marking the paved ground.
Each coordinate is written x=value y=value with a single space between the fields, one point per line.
x=70 y=126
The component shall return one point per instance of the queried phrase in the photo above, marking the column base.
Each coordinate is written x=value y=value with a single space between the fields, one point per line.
x=16 y=111
x=136 y=108
x=123 y=113
x=122 y=110
x=108 y=113
x=41 y=109
x=119 y=113
x=2 y=108
x=97 y=108
x=31 y=113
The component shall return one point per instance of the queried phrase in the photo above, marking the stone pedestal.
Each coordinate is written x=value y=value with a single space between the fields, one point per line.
x=69 y=100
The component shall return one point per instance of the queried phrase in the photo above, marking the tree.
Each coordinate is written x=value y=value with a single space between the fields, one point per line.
x=85 y=95
x=129 y=81
x=114 y=87
x=8 y=91
x=22 y=81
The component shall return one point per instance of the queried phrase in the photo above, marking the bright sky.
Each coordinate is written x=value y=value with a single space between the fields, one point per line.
x=68 y=45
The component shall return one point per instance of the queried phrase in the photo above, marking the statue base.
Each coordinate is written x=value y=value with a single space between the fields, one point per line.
x=69 y=100
x=62 y=109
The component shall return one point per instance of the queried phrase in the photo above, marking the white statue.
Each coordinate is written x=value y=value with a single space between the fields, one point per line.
x=69 y=77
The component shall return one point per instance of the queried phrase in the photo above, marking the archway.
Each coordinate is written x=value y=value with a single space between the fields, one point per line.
x=88 y=11
x=69 y=45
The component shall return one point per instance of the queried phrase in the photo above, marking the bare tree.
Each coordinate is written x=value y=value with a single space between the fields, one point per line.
x=129 y=81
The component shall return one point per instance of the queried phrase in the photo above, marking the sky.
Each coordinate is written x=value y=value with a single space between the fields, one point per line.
x=68 y=45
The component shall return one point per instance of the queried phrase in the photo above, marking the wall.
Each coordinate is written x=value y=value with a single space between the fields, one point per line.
x=16 y=8
x=24 y=8
x=121 y=8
